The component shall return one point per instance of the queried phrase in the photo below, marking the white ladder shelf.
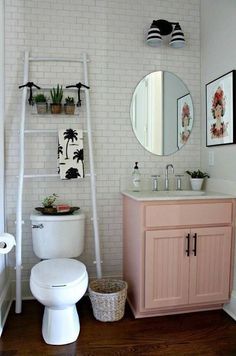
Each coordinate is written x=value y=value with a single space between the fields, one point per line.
x=27 y=59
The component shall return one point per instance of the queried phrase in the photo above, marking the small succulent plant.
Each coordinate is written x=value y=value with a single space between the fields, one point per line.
x=57 y=94
x=40 y=98
x=49 y=200
x=69 y=100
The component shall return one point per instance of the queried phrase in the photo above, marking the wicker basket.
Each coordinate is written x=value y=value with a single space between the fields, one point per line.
x=108 y=298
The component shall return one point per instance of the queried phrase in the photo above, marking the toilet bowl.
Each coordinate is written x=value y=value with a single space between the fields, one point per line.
x=59 y=281
x=58 y=284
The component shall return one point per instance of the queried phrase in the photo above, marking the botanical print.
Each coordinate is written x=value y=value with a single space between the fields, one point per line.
x=72 y=173
x=79 y=156
x=70 y=135
x=220 y=110
x=219 y=128
x=185 y=119
x=70 y=154
x=59 y=150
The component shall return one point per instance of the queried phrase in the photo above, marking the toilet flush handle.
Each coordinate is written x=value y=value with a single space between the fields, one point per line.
x=40 y=226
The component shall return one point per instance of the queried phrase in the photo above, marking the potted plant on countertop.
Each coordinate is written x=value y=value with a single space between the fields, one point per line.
x=197 y=178
x=56 y=96
x=41 y=103
x=69 y=106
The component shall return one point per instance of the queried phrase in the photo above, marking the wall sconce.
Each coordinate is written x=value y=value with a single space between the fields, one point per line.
x=161 y=28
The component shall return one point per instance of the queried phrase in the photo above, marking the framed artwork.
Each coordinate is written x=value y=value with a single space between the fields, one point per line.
x=184 y=119
x=220 y=110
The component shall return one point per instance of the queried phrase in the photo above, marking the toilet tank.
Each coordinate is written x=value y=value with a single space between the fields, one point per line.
x=58 y=236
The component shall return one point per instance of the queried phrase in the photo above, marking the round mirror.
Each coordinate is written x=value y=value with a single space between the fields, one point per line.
x=162 y=113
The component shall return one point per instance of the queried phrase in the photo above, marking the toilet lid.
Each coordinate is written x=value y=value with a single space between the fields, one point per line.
x=60 y=272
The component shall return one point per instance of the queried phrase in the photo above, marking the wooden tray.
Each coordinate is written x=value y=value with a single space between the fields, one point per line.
x=53 y=211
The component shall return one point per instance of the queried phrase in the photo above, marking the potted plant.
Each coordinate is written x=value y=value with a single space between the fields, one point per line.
x=197 y=178
x=69 y=106
x=56 y=96
x=41 y=103
x=48 y=203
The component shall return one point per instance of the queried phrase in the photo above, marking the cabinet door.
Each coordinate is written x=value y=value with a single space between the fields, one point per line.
x=210 y=265
x=166 y=268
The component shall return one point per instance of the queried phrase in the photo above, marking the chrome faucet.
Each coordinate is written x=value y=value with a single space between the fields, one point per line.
x=155 y=182
x=166 y=175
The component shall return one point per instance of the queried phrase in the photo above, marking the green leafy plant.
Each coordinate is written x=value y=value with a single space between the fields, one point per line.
x=49 y=200
x=69 y=100
x=57 y=94
x=198 y=174
x=40 y=98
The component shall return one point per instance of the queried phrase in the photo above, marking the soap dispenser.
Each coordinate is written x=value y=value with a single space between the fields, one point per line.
x=136 y=178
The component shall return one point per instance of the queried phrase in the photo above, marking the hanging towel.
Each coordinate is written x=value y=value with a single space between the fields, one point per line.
x=70 y=153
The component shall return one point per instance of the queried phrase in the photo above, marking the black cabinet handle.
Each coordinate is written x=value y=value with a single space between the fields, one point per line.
x=188 y=244
x=195 y=244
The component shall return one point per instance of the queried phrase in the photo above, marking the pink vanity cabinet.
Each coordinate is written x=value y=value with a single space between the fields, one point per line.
x=177 y=254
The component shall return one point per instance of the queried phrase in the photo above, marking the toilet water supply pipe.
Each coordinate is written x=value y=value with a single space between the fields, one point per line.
x=19 y=220
x=92 y=175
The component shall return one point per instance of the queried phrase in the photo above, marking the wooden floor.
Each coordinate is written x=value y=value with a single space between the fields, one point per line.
x=204 y=333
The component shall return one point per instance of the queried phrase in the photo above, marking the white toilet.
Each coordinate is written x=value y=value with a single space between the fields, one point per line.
x=59 y=281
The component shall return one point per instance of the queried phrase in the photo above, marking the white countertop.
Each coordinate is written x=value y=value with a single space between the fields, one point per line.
x=146 y=195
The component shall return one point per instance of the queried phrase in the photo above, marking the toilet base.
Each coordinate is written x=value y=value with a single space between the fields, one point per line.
x=60 y=326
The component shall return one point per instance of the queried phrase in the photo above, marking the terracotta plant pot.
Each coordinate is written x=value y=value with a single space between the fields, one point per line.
x=69 y=109
x=42 y=108
x=56 y=108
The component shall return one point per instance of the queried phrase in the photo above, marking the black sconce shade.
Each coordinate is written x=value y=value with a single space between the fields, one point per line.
x=163 y=27
x=177 y=37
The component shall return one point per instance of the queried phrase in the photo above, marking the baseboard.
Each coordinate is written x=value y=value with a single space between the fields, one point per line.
x=5 y=304
x=230 y=308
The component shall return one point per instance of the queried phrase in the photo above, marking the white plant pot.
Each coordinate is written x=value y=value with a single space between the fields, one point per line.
x=196 y=183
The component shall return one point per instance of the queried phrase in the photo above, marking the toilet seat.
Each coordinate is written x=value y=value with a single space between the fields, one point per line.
x=58 y=273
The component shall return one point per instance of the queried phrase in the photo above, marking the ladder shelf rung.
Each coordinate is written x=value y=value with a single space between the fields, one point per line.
x=45 y=131
x=40 y=175
x=48 y=114
x=47 y=175
x=39 y=130
x=55 y=59
x=64 y=88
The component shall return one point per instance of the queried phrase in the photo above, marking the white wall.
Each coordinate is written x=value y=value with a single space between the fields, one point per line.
x=112 y=33
x=1 y=116
x=2 y=215
x=5 y=286
x=218 y=56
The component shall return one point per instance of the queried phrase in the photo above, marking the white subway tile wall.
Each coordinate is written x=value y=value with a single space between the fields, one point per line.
x=112 y=33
